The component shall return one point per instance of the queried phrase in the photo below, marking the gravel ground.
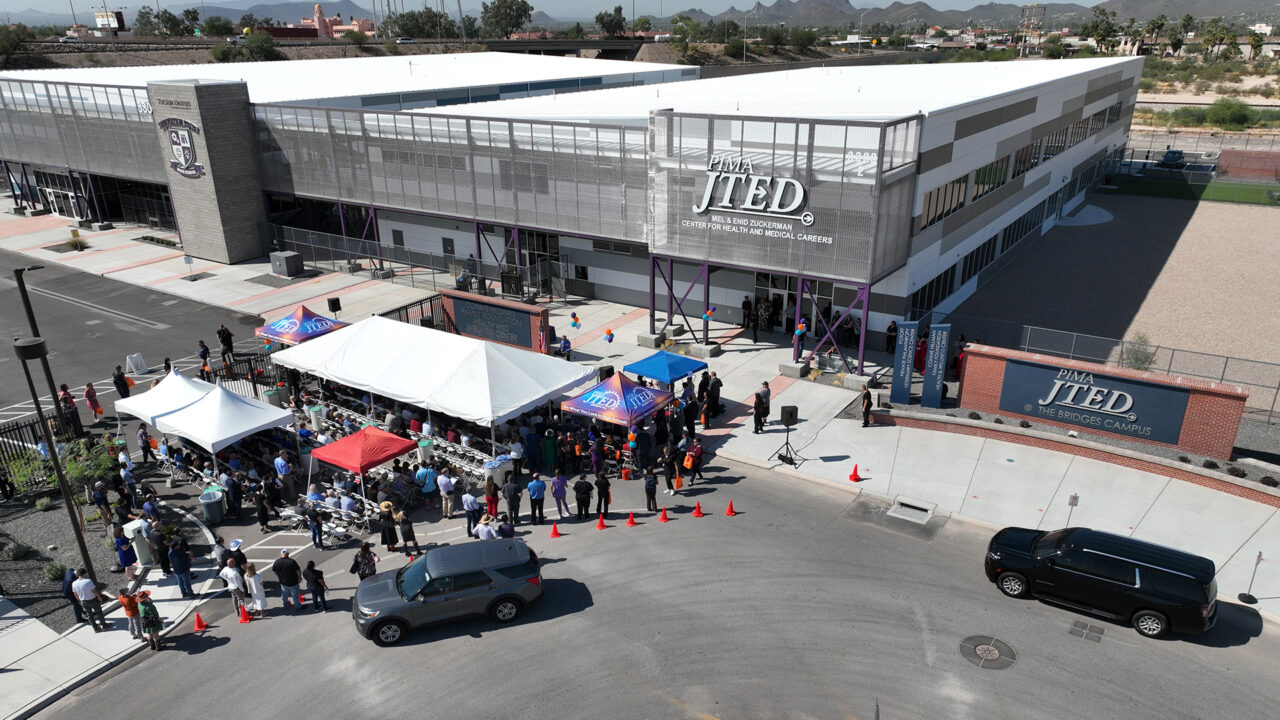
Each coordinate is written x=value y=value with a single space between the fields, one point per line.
x=24 y=581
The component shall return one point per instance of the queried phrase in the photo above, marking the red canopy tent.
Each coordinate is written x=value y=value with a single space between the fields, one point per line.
x=362 y=451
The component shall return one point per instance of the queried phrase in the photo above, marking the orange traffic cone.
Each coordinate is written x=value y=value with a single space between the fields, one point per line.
x=664 y=517
x=555 y=531
x=200 y=624
x=245 y=617
x=729 y=510
x=697 y=509
x=631 y=520
x=600 y=523
x=854 y=476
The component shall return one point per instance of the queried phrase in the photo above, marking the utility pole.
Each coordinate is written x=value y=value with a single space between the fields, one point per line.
x=72 y=5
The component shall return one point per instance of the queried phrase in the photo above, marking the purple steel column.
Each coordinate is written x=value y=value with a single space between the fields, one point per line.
x=706 y=302
x=801 y=285
x=671 y=288
x=342 y=222
x=653 y=323
x=864 y=294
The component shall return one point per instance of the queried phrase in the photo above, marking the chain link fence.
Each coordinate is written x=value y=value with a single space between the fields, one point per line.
x=1201 y=164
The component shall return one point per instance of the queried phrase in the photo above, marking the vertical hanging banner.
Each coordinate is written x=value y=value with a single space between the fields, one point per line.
x=904 y=363
x=935 y=365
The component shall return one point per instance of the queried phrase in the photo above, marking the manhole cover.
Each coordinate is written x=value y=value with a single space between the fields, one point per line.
x=987 y=652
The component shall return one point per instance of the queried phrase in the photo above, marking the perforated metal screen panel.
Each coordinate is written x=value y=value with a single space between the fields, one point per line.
x=784 y=195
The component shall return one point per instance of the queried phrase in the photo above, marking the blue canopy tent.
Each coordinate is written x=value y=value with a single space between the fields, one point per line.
x=666 y=367
x=618 y=400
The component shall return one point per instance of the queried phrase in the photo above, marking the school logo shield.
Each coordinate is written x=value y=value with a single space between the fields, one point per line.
x=182 y=147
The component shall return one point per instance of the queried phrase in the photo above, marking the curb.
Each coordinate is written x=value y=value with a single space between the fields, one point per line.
x=858 y=491
x=67 y=687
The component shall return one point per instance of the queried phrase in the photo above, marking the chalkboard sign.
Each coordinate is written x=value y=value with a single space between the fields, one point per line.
x=492 y=322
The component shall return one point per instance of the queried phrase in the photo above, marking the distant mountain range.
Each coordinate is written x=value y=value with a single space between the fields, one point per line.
x=808 y=13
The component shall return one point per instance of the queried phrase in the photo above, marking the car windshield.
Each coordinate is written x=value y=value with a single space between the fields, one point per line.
x=412 y=578
x=1048 y=543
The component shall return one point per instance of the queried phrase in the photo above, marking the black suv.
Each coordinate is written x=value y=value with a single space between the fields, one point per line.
x=1156 y=588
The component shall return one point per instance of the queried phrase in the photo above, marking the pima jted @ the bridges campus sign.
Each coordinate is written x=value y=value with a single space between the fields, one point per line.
x=1094 y=401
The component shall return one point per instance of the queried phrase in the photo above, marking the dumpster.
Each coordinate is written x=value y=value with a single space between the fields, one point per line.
x=211 y=506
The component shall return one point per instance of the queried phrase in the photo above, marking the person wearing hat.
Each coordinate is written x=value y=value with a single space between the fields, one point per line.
x=386 y=520
x=485 y=531
x=150 y=619
x=238 y=555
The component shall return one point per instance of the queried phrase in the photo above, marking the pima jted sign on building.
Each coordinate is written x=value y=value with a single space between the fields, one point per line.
x=821 y=198
x=1094 y=401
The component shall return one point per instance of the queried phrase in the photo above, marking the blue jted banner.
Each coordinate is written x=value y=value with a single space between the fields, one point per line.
x=935 y=365
x=1093 y=401
x=904 y=363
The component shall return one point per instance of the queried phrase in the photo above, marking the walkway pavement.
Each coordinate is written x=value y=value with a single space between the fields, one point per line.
x=996 y=482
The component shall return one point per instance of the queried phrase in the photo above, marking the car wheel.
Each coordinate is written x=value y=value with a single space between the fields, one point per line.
x=388 y=633
x=1012 y=584
x=1150 y=623
x=506 y=610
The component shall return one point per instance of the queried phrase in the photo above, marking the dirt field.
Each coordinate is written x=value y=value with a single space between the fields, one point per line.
x=1193 y=276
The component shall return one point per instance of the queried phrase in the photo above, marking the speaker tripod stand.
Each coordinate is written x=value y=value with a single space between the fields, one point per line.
x=787 y=454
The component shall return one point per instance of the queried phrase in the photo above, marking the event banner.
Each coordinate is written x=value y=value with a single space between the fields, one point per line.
x=904 y=363
x=1094 y=401
x=935 y=365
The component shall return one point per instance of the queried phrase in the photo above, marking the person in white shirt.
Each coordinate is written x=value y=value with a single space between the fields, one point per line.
x=124 y=459
x=516 y=450
x=465 y=440
x=255 y=588
x=90 y=599
x=235 y=583
x=485 y=531
x=445 y=483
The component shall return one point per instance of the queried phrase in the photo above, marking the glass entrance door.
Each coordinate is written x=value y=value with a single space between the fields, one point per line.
x=64 y=203
x=781 y=292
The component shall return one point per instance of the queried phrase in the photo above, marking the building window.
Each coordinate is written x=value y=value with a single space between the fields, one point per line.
x=397 y=238
x=943 y=201
x=1023 y=226
x=1079 y=131
x=934 y=291
x=1055 y=143
x=446 y=246
x=1097 y=121
x=989 y=177
x=977 y=260
x=1027 y=158
x=1113 y=113
x=611 y=248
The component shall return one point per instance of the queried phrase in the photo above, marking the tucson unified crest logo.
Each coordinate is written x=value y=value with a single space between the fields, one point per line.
x=182 y=146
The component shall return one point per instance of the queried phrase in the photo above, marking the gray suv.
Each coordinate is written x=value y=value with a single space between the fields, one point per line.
x=489 y=577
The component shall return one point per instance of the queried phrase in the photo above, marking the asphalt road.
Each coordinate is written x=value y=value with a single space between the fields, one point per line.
x=809 y=604
x=91 y=323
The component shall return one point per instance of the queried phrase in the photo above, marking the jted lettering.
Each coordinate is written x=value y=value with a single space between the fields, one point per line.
x=732 y=185
x=1076 y=389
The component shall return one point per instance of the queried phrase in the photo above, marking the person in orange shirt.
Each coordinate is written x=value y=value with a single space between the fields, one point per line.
x=129 y=603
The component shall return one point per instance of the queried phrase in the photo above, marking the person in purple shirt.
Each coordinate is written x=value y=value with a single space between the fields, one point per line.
x=559 y=485
x=537 y=493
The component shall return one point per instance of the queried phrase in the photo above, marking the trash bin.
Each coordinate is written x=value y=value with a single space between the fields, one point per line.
x=424 y=449
x=133 y=531
x=211 y=506
x=314 y=412
x=273 y=397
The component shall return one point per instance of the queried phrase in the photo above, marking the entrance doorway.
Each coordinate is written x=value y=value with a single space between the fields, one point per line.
x=64 y=203
x=781 y=292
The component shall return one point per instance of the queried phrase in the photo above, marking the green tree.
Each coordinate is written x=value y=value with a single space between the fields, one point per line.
x=1155 y=27
x=12 y=38
x=227 y=53
x=1256 y=39
x=773 y=36
x=471 y=27
x=261 y=47
x=423 y=23
x=248 y=20
x=683 y=30
x=642 y=25
x=613 y=23
x=218 y=26
x=1052 y=48
x=803 y=39
x=190 y=21
x=1101 y=28
x=145 y=23
x=1175 y=44
x=1228 y=114
x=940 y=33
x=355 y=37
x=1186 y=26
x=500 y=18
x=577 y=32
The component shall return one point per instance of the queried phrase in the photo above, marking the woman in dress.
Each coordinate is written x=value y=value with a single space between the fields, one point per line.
x=91 y=399
x=257 y=591
x=406 y=533
x=150 y=619
x=387 y=522
x=366 y=561
x=125 y=554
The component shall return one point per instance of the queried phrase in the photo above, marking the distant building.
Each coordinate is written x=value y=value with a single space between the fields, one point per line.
x=332 y=27
x=1260 y=28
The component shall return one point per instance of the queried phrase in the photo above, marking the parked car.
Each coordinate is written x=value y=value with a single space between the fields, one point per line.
x=497 y=578
x=1156 y=588
x=69 y=39
x=1172 y=159
x=235 y=40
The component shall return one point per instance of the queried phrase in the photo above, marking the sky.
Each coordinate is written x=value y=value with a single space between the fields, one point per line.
x=554 y=8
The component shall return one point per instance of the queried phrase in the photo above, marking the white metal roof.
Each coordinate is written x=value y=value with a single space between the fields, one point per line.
x=295 y=80
x=875 y=92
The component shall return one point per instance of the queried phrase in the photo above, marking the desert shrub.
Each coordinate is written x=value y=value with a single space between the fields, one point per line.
x=54 y=571
x=17 y=551
x=1209 y=465
x=974 y=415
x=1234 y=471
x=45 y=503
x=1269 y=481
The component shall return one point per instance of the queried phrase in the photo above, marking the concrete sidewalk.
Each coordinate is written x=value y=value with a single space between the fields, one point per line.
x=247 y=288
x=38 y=666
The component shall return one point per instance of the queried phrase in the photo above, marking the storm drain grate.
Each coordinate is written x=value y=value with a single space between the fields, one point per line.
x=197 y=276
x=987 y=652
x=1086 y=631
x=916 y=511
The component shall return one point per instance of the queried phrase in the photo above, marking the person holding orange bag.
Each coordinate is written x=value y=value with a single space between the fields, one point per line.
x=91 y=399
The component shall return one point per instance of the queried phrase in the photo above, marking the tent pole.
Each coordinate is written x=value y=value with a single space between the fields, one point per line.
x=493 y=443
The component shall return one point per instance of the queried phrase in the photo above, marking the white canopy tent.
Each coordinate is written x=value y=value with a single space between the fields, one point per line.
x=221 y=417
x=171 y=394
x=471 y=379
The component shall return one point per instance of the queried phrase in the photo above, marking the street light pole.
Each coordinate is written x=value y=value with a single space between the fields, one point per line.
x=33 y=349
x=35 y=331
